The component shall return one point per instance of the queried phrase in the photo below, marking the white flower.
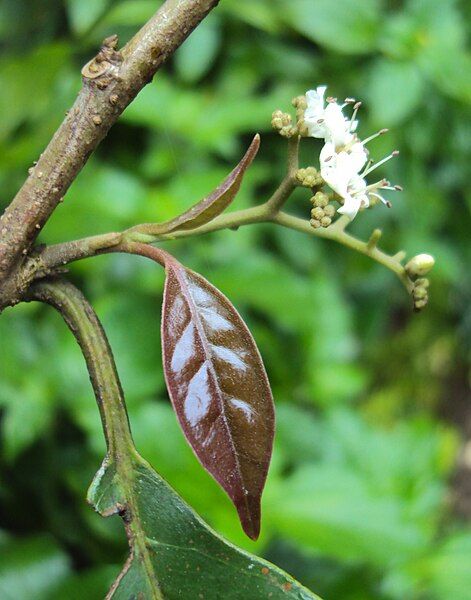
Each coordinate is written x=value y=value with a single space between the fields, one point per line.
x=343 y=155
x=338 y=168
x=341 y=171
x=356 y=197
x=314 y=113
x=336 y=125
x=326 y=121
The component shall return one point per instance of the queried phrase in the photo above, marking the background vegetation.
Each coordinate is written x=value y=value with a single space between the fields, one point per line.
x=369 y=494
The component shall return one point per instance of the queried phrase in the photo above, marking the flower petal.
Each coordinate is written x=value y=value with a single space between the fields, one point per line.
x=351 y=206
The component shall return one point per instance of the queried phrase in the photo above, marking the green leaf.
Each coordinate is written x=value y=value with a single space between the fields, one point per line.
x=448 y=572
x=27 y=85
x=91 y=584
x=130 y=13
x=433 y=36
x=379 y=491
x=395 y=91
x=196 y=56
x=173 y=553
x=347 y=26
x=451 y=73
x=332 y=373
x=84 y=13
x=333 y=510
x=259 y=14
x=29 y=414
x=31 y=568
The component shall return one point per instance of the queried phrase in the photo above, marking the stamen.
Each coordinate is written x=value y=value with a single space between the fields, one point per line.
x=377 y=185
x=375 y=135
x=320 y=121
x=356 y=107
x=331 y=99
x=381 y=162
x=348 y=101
x=349 y=145
x=385 y=202
x=398 y=188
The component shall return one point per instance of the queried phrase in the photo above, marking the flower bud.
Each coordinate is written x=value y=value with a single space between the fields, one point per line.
x=420 y=265
x=309 y=177
x=420 y=293
x=320 y=199
x=299 y=102
x=288 y=131
x=329 y=211
x=422 y=282
x=420 y=304
x=317 y=213
x=326 y=221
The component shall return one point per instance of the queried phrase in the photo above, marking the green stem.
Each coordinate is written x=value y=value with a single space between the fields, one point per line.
x=58 y=255
x=88 y=331
x=336 y=232
x=84 y=324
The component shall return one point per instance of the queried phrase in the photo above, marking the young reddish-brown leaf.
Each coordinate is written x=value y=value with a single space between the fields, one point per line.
x=219 y=389
x=214 y=204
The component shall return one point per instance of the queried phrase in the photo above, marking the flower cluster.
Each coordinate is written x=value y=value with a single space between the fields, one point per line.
x=344 y=161
x=416 y=268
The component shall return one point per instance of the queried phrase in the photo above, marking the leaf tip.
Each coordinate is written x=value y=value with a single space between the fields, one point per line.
x=255 y=145
x=249 y=512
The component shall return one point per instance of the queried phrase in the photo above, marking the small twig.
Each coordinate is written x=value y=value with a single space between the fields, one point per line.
x=374 y=239
x=58 y=254
x=285 y=189
x=340 y=236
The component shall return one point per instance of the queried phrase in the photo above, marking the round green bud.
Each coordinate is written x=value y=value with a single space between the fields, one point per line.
x=302 y=128
x=326 y=221
x=422 y=282
x=317 y=213
x=321 y=199
x=420 y=265
x=329 y=210
x=420 y=303
x=420 y=293
x=288 y=131
x=299 y=102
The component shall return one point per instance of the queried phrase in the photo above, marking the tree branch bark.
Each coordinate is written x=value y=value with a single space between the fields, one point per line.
x=110 y=82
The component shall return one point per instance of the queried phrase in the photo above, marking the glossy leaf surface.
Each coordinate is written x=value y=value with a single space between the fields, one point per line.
x=174 y=554
x=219 y=388
x=211 y=206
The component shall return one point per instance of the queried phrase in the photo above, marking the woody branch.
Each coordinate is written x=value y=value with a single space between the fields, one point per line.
x=110 y=82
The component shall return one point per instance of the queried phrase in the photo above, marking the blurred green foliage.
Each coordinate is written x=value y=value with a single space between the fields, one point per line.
x=359 y=503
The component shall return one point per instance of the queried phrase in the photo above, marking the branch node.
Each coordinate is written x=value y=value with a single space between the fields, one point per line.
x=374 y=239
x=107 y=58
x=400 y=256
